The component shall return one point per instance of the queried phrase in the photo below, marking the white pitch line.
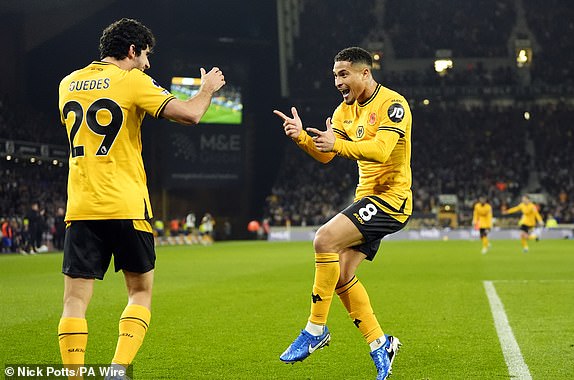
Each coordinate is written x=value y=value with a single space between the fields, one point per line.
x=517 y=368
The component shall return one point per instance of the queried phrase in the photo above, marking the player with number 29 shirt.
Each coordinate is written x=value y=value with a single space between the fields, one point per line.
x=102 y=107
x=372 y=126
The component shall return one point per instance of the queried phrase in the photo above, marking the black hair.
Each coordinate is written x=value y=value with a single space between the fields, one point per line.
x=118 y=37
x=355 y=54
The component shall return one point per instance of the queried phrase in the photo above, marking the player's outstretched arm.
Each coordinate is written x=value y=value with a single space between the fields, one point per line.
x=191 y=111
x=293 y=127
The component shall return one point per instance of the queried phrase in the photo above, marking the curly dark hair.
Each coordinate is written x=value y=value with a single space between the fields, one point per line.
x=119 y=36
x=355 y=55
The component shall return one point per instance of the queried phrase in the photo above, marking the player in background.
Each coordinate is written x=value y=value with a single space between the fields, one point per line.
x=372 y=126
x=530 y=218
x=482 y=220
x=102 y=107
x=206 y=229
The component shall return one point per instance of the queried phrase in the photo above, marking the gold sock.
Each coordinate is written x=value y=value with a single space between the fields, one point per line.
x=327 y=272
x=356 y=300
x=524 y=242
x=485 y=242
x=133 y=326
x=73 y=339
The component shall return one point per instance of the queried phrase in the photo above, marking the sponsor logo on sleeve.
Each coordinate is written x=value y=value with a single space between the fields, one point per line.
x=396 y=112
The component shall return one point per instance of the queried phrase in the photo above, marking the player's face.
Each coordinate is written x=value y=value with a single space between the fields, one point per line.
x=142 y=61
x=351 y=80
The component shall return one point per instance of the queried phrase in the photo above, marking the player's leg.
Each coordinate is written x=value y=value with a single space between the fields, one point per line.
x=524 y=234
x=354 y=297
x=73 y=327
x=135 y=318
x=484 y=240
x=374 y=224
x=134 y=255
x=330 y=239
x=85 y=259
x=356 y=300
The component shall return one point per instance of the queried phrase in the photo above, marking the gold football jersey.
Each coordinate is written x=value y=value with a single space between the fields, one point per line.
x=530 y=214
x=380 y=129
x=377 y=134
x=102 y=108
x=482 y=215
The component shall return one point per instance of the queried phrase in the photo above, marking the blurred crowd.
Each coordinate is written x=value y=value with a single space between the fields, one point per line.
x=32 y=202
x=479 y=30
x=470 y=28
x=553 y=26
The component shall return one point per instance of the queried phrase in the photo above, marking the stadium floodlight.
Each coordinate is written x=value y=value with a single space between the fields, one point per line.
x=377 y=57
x=523 y=50
x=441 y=66
x=443 y=61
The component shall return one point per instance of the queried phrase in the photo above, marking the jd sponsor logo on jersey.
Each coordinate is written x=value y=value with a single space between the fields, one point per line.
x=372 y=118
x=360 y=131
x=396 y=112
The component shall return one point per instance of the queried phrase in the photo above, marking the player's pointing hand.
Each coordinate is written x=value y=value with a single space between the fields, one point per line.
x=291 y=125
x=324 y=140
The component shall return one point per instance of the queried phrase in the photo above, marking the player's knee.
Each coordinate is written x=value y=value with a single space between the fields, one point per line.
x=323 y=241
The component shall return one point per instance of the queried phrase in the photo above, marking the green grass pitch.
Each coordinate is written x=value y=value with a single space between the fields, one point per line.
x=229 y=310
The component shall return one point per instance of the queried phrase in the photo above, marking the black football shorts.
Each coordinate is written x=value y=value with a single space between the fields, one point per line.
x=525 y=228
x=373 y=223
x=90 y=244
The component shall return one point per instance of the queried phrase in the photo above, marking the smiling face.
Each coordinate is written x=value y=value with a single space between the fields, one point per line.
x=353 y=80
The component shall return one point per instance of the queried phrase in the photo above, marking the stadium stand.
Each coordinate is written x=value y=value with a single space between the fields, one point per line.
x=553 y=29
x=469 y=29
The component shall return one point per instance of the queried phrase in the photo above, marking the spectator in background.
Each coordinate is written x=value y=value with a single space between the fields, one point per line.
x=59 y=229
x=35 y=226
x=206 y=229
x=174 y=227
x=7 y=236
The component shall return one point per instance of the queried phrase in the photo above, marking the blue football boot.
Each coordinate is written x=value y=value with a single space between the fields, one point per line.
x=305 y=345
x=384 y=356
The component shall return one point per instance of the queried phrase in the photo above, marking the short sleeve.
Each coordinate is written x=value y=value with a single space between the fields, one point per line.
x=148 y=94
x=395 y=116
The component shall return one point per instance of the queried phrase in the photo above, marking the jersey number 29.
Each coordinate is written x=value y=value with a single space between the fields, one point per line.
x=109 y=131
